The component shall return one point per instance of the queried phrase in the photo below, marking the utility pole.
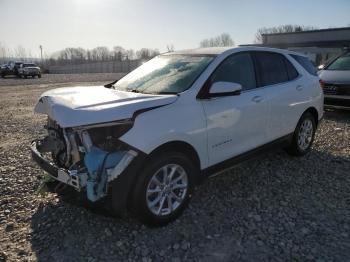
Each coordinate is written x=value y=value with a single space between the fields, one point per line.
x=41 y=53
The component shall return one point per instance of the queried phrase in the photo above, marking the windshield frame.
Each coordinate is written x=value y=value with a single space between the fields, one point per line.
x=213 y=56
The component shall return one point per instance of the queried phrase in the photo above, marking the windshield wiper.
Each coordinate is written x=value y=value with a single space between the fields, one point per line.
x=110 y=85
x=134 y=90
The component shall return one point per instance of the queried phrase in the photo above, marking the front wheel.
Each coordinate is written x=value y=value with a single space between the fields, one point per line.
x=303 y=136
x=163 y=189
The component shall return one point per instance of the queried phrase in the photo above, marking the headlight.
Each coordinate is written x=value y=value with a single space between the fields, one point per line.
x=107 y=137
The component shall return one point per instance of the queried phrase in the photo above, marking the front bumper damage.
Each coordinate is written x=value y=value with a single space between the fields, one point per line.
x=101 y=168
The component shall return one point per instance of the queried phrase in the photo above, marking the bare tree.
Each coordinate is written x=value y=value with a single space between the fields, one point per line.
x=3 y=51
x=20 y=52
x=221 y=40
x=118 y=53
x=147 y=53
x=170 y=48
x=280 y=29
x=130 y=54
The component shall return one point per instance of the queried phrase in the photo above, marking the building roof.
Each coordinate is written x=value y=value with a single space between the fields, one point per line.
x=332 y=37
x=312 y=31
x=219 y=50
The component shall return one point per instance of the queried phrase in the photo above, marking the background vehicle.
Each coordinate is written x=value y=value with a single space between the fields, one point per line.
x=335 y=79
x=29 y=69
x=154 y=134
x=10 y=68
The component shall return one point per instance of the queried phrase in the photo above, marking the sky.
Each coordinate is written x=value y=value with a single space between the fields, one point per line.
x=133 y=24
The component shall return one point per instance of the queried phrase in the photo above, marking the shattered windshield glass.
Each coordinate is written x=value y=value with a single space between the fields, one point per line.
x=165 y=74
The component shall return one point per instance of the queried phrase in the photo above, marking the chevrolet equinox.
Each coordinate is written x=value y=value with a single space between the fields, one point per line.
x=150 y=137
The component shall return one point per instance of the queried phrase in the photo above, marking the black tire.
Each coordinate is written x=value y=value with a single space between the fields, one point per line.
x=39 y=76
x=26 y=77
x=295 y=149
x=138 y=205
x=3 y=76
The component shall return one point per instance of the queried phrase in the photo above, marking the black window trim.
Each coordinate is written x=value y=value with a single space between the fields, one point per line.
x=204 y=91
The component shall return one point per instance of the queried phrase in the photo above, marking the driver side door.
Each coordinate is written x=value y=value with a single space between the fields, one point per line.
x=235 y=123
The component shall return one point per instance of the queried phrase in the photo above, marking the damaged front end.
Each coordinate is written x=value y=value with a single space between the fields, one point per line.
x=87 y=158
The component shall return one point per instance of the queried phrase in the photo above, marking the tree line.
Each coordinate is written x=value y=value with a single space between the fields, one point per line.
x=118 y=53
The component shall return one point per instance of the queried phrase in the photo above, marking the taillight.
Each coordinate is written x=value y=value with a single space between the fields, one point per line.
x=322 y=83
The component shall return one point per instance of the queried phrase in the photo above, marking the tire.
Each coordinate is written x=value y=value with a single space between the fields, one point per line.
x=25 y=77
x=141 y=202
x=3 y=76
x=39 y=76
x=302 y=142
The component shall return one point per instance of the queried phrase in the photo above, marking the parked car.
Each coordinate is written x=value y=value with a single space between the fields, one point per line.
x=10 y=68
x=335 y=79
x=29 y=69
x=151 y=137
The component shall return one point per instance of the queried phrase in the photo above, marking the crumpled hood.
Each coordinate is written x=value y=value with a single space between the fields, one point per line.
x=85 y=105
x=335 y=76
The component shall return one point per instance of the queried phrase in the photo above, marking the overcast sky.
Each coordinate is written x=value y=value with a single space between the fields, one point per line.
x=57 y=24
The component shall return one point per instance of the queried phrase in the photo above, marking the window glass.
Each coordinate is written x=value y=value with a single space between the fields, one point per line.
x=272 y=68
x=292 y=72
x=238 y=68
x=341 y=63
x=167 y=74
x=306 y=63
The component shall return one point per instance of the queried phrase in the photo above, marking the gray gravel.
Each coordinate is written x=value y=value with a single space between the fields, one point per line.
x=275 y=207
x=59 y=78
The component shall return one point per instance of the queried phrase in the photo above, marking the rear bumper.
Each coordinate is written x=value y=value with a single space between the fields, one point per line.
x=337 y=101
x=30 y=73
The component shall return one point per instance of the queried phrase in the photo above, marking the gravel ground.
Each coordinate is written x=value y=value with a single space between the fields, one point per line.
x=59 y=78
x=274 y=207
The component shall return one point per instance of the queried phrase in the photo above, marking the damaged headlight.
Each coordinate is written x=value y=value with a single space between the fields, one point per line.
x=107 y=137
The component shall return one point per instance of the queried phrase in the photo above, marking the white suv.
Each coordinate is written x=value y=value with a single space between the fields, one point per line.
x=150 y=137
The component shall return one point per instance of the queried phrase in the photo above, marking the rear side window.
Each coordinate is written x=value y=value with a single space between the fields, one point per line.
x=238 y=68
x=272 y=68
x=292 y=72
x=306 y=63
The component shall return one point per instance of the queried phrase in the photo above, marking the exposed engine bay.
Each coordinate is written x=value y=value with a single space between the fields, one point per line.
x=88 y=157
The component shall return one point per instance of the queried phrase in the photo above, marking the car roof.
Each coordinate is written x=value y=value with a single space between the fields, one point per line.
x=215 y=51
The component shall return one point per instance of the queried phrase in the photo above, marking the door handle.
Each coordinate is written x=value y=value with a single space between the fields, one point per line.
x=299 y=87
x=257 y=99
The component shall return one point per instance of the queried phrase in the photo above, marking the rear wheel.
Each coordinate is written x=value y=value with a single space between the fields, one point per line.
x=39 y=76
x=303 y=136
x=163 y=189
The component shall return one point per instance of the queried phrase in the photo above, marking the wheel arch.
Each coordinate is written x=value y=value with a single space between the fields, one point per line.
x=180 y=147
x=313 y=111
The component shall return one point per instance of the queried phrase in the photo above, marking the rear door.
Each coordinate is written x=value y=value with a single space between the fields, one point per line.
x=236 y=124
x=284 y=92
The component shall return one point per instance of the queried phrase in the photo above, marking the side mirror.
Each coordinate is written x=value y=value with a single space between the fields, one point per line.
x=224 y=89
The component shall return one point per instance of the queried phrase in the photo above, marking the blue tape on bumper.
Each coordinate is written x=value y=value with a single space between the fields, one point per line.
x=97 y=161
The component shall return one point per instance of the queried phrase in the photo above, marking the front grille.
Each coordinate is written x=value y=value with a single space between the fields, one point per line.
x=337 y=89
